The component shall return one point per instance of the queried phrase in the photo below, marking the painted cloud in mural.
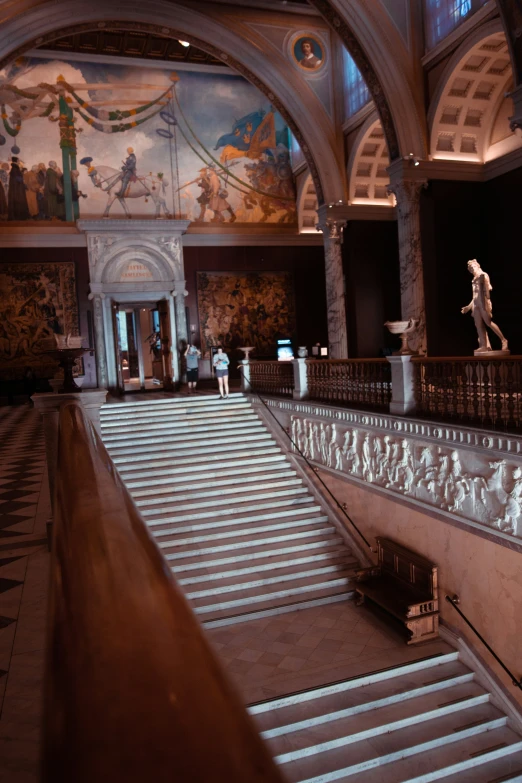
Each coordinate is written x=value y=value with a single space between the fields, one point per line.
x=90 y=139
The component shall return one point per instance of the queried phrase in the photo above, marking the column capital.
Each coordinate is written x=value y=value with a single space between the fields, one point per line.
x=407 y=190
x=179 y=288
x=332 y=219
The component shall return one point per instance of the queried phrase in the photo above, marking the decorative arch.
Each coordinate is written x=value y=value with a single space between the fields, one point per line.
x=142 y=254
x=469 y=111
x=368 y=178
x=378 y=53
x=281 y=88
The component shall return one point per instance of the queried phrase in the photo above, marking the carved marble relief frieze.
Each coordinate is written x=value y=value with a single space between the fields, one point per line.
x=479 y=488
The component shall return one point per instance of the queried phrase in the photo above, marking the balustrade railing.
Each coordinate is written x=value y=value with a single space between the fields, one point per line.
x=477 y=390
x=133 y=690
x=272 y=377
x=360 y=382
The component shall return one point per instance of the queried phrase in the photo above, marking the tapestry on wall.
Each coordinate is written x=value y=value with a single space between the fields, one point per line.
x=91 y=139
x=245 y=309
x=37 y=301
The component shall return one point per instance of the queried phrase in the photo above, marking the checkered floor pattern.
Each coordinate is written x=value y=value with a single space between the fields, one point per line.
x=22 y=467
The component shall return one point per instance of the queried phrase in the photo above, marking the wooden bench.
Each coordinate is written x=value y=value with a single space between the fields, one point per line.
x=404 y=584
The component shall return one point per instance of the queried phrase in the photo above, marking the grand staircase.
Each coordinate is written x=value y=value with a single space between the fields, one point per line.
x=246 y=538
x=242 y=533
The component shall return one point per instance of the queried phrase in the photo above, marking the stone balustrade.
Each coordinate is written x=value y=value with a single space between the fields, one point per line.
x=478 y=391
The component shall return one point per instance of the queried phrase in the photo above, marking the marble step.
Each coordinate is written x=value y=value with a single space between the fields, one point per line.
x=464 y=752
x=181 y=537
x=295 y=576
x=112 y=427
x=301 y=540
x=243 y=479
x=432 y=665
x=223 y=493
x=173 y=456
x=176 y=515
x=323 y=706
x=116 y=416
x=321 y=549
x=237 y=467
x=226 y=576
x=267 y=597
x=347 y=729
x=157 y=446
x=277 y=607
x=187 y=429
x=216 y=414
x=505 y=766
x=371 y=748
x=156 y=403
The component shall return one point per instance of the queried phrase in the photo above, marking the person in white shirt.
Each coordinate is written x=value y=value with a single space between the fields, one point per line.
x=221 y=362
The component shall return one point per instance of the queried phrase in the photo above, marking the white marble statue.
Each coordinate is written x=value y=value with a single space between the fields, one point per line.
x=481 y=309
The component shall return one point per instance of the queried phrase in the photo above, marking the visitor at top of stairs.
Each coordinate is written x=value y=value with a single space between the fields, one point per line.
x=221 y=362
x=192 y=355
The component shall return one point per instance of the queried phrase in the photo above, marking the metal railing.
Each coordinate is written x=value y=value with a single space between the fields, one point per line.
x=133 y=690
x=454 y=601
x=360 y=382
x=477 y=390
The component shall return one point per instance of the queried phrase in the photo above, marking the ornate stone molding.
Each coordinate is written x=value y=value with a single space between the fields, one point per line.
x=472 y=476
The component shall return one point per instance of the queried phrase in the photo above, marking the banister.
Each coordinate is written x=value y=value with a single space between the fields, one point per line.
x=454 y=602
x=133 y=690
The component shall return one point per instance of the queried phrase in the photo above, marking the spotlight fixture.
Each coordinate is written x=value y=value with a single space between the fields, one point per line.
x=412 y=159
x=184 y=43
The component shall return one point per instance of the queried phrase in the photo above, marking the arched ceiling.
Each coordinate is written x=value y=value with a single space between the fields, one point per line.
x=41 y=24
x=367 y=169
x=464 y=117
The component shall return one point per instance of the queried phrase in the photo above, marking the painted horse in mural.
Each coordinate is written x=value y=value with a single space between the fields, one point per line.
x=109 y=180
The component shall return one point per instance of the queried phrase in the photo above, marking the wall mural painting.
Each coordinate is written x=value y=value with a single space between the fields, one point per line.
x=91 y=139
x=37 y=301
x=245 y=309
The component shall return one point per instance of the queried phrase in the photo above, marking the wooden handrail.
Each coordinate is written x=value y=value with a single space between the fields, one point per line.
x=133 y=691
x=377 y=360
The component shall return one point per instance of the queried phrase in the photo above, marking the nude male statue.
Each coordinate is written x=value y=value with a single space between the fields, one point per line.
x=481 y=308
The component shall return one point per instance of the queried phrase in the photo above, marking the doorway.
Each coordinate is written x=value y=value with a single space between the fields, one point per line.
x=138 y=351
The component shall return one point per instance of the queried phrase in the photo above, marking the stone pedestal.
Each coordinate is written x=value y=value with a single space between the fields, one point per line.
x=407 y=189
x=49 y=406
x=332 y=220
x=245 y=376
x=403 y=389
x=300 y=380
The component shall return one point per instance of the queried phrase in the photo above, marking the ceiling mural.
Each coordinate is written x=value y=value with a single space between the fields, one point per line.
x=95 y=139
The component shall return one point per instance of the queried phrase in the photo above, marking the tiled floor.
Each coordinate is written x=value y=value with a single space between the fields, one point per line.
x=24 y=563
x=273 y=656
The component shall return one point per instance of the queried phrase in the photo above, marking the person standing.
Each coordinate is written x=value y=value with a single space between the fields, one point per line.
x=192 y=355
x=16 y=200
x=32 y=187
x=129 y=172
x=221 y=362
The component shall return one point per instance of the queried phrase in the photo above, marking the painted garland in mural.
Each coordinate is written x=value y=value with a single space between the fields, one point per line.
x=131 y=142
x=240 y=309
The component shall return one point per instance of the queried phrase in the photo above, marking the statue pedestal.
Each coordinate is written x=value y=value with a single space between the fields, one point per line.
x=491 y=354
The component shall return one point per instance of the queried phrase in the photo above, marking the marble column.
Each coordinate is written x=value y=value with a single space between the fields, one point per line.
x=99 y=338
x=179 y=307
x=332 y=223
x=407 y=192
